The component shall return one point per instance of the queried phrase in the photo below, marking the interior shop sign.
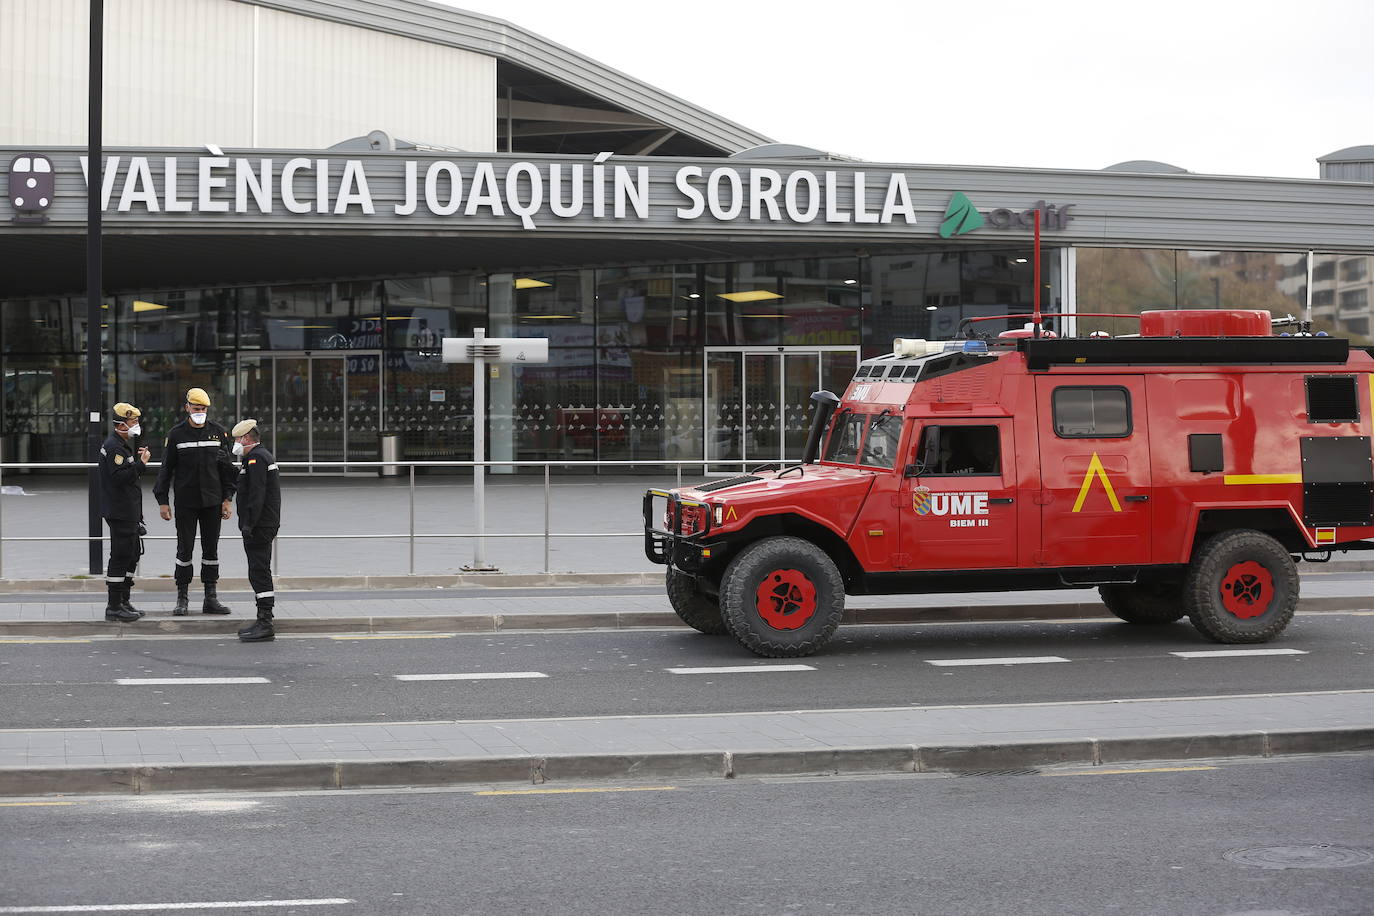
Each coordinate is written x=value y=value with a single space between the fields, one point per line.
x=535 y=193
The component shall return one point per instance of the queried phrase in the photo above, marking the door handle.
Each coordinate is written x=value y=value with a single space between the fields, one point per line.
x=1001 y=500
x=1138 y=498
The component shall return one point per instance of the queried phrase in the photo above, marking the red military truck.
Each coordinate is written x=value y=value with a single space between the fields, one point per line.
x=1180 y=471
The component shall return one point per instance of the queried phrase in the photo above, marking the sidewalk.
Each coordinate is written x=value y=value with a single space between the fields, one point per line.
x=966 y=739
x=536 y=602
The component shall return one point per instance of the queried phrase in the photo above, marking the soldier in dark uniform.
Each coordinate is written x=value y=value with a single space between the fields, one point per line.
x=259 y=496
x=196 y=467
x=122 y=462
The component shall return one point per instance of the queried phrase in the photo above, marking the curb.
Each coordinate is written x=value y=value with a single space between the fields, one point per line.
x=493 y=580
x=161 y=623
x=979 y=759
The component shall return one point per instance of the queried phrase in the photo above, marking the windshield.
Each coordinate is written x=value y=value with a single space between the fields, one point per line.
x=880 y=448
x=846 y=432
x=854 y=441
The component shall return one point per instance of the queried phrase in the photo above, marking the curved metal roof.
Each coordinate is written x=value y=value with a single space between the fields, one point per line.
x=439 y=24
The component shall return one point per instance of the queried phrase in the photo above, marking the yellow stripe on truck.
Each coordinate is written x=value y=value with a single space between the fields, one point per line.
x=1261 y=478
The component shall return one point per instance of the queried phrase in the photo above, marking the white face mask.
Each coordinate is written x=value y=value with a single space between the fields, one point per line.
x=198 y=418
x=136 y=429
x=238 y=448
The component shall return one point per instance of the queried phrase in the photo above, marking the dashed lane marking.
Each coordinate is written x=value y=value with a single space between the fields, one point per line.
x=741 y=669
x=42 y=804
x=472 y=676
x=576 y=791
x=1230 y=653
x=34 y=642
x=186 y=682
x=147 y=907
x=1014 y=660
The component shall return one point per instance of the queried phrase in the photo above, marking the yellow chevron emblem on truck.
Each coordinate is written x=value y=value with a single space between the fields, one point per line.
x=1095 y=469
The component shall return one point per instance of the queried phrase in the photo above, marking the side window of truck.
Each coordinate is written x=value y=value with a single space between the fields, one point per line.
x=880 y=448
x=846 y=432
x=1092 y=413
x=961 y=451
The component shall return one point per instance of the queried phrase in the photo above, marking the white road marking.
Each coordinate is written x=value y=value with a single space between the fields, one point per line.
x=1014 y=660
x=741 y=669
x=1226 y=653
x=144 y=907
x=472 y=676
x=184 y=681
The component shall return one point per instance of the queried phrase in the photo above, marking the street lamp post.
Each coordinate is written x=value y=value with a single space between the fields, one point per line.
x=94 y=183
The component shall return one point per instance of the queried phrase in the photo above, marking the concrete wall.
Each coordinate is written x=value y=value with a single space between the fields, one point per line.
x=183 y=73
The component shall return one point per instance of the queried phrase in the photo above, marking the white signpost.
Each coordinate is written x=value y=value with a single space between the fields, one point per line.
x=480 y=350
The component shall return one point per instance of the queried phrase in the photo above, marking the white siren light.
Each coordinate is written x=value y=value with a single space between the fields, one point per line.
x=914 y=346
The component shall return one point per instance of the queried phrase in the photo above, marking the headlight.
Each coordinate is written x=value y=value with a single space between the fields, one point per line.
x=720 y=515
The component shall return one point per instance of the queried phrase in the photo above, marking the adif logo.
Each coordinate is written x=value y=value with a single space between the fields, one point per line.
x=962 y=509
x=31 y=187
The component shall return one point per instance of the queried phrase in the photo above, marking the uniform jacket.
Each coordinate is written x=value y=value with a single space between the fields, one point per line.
x=196 y=466
x=259 y=490
x=121 y=497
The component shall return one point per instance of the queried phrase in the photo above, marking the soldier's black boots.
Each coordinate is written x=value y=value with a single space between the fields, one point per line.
x=183 y=603
x=114 y=610
x=211 y=604
x=124 y=600
x=260 y=631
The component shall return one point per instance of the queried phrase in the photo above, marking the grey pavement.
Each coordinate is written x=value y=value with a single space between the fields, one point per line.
x=332 y=527
x=832 y=741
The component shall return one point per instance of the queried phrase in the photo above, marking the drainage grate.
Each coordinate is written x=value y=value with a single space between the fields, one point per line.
x=1020 y=772
x=1318 y=856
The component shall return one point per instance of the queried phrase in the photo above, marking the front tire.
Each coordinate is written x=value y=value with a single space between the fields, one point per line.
x=699 y=611
x=1242 y=587
x=1150 y=603
x=782 y=597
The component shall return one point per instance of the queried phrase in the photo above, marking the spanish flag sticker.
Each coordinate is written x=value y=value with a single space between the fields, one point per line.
x=252 y=461
x=1326 y=535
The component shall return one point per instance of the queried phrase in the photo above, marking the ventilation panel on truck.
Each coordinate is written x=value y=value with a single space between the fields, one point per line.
x=1337 y=481
x=1332 y=399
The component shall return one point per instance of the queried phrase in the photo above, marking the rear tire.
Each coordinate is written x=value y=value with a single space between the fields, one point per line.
x=699 y=611
x=1242 y=587
x=782 y=597
x=1148 y=603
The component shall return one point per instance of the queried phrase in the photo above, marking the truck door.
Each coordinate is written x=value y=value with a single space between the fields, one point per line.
x=1095 y=470
x=957 y=500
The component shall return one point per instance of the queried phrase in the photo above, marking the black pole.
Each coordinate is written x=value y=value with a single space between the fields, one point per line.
x=94 y=281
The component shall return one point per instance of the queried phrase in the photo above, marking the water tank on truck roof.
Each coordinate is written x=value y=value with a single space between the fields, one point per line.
x=1205 y=323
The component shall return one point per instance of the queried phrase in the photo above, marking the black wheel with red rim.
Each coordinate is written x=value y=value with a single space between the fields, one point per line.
x=698 y=610
x=1242 y=587
x=782 y=597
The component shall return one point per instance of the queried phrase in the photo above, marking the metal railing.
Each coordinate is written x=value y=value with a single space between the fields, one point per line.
x=411 y=535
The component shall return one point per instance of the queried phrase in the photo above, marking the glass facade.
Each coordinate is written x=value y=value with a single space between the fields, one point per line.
x=647 y=363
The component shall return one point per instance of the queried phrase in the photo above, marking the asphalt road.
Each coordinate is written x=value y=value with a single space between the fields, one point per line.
x=355 y=679
x=1061 y=842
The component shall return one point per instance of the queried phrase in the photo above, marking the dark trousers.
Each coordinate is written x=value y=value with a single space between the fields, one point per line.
x=208 y=518
x=257 y=546
x=124 y=551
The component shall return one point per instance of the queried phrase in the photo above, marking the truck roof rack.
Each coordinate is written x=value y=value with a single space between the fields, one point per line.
x=1168 y=351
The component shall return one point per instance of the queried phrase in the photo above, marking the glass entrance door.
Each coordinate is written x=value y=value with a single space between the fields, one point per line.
x=315 y=406
x=758 y=406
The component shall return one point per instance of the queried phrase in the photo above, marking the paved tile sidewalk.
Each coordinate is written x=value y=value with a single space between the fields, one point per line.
x=812 y=730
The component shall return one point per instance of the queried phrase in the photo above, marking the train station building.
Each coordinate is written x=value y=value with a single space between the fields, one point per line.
x=303 y=198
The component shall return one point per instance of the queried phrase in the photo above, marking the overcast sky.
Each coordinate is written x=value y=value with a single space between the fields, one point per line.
x=1214 y=86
